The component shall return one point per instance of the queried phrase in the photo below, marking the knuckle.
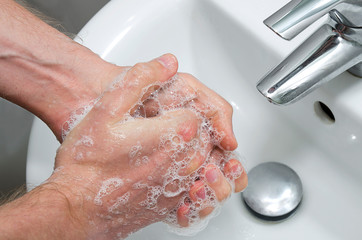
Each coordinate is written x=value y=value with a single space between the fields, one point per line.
x=228 y=108
x=140 y=68
x=189 y=116
x=186 y=76
x=206 y=212
x=141 y=72
x=225 y=193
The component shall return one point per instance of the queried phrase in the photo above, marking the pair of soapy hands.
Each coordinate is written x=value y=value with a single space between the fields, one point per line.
x=97 y=159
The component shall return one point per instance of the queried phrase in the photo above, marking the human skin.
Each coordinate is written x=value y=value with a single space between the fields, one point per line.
x=52 y=77
x=104 y=140
x=45 y=71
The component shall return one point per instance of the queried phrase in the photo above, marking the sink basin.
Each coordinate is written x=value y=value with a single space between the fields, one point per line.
x=225 y=44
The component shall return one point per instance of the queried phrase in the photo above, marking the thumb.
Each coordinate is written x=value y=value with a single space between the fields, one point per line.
x=131 y=86
x=165 y=131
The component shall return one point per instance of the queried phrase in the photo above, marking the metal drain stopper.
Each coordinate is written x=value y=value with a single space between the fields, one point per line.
x=274 y=191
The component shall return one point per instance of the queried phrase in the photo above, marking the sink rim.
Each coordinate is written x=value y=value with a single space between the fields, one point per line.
x=254 y=225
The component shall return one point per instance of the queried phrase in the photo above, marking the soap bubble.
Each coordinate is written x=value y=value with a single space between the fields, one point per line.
x=76 y=117
x=108 y=186
x=176 y=94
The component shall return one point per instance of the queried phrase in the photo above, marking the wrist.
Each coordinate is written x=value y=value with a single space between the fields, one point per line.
x=45 y=71
x=79 y=189
x=44 y=213
x=78 y=85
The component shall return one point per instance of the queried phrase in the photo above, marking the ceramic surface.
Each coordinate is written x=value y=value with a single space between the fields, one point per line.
x=225 y=44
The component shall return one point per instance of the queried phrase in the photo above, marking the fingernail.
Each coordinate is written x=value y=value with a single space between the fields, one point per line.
x=200 y=193
x=182 y=216
x=168 y=61
x=235 y=167
x=212 y=175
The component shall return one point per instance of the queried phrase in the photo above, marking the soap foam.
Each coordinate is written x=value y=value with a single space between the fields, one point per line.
x=169 y=97
x=76 y=117
x=120 y=202
x=108 y=186
x=178 y=151
x=86 y=141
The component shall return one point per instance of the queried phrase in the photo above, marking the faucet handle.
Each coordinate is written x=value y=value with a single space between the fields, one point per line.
x=297 y=15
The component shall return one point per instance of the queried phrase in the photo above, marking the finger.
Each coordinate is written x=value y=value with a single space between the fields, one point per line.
x=199 y=196
x=219 y=111
x=197 y=191
x=175 y=94
x=182 y=215
x=133 y=86
x=217 y=182
x=146 y=136
x=215 y=179
x=234 y=171
x=197 y=160
x=185 y=89
x=206 y=211
x=140 y=110
x=151 y=108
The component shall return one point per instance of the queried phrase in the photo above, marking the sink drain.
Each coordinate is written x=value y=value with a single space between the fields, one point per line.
x=274 y=191
x=324 y=112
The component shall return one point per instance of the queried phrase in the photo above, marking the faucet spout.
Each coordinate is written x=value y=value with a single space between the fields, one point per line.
x=331 y=50
x=297 y=15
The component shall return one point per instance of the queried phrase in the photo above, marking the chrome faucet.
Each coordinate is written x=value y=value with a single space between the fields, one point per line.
x=332 y=49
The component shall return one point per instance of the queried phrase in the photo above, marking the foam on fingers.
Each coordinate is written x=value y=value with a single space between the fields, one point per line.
x=168 y=154
x=235 y=172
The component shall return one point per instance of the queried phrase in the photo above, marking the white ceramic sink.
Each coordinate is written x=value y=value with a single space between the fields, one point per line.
x=225 y=44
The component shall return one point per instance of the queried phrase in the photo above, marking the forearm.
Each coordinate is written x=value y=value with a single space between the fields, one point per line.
x=44 y=213
x=43 y=70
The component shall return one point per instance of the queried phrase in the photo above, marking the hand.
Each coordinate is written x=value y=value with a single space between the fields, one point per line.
x=55 y=77
x=181 y=91
x=130 y=172
x=186 y=91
